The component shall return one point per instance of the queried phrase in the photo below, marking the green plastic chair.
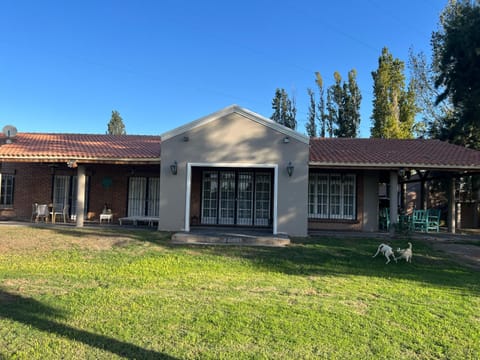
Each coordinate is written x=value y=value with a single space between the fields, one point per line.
x=433 y=220
x=419 y=220
x=384 y=219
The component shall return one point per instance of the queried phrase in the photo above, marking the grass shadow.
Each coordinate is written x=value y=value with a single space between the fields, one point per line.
x=316 y=255
x=353 y=256
x=33 y=313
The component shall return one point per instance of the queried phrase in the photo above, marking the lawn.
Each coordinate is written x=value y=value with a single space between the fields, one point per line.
x=98 y=293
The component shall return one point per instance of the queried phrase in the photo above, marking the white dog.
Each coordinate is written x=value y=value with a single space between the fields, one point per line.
x=387 y=251
x=405 y=253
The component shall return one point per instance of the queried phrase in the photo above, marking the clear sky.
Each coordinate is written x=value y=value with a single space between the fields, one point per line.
x=65 y=65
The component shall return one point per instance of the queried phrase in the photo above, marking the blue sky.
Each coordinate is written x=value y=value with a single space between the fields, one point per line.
x=65 y=65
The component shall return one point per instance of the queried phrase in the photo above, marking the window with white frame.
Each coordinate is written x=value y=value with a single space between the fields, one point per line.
x=6 y=190
x=332 y=196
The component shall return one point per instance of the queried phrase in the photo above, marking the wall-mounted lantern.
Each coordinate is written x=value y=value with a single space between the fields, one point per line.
x=290 y=168
x=173 y=168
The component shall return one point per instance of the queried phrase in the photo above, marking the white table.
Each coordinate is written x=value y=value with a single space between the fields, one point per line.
x=106 y=217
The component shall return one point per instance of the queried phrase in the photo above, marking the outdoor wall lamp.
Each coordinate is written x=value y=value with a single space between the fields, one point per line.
x=173 y=168
x=290 y=168
x=286 y=140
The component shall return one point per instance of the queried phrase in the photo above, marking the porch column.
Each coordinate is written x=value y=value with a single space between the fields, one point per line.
x=451 y=206
x=393 y=200
x=404 y=197
x=424 y=190
x=80 y=195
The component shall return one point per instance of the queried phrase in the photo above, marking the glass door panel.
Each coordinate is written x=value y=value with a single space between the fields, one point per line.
x=209 y=197
x=262 y=199
x=227 y=198
x=136 y=196
x=245 y=198
x=153 y=196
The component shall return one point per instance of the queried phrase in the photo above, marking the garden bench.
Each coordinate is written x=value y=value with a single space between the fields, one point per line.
x=150 y=220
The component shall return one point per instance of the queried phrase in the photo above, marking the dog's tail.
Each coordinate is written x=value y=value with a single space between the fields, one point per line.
x=410 y=245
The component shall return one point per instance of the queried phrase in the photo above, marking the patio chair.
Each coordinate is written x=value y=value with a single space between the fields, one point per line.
x=42 y=212
x=34 y=212
x=59 y=210
x=433 y=220
x=419 y=220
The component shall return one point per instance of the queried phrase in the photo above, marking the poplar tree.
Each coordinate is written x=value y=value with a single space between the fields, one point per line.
x=335 y=106
x=311 y=125
x=394 y=108
x=352 y=104
x=321 y=115
x=116 y=126
x=343 y=106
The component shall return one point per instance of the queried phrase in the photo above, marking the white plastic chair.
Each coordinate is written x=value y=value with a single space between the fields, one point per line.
x=42 y=212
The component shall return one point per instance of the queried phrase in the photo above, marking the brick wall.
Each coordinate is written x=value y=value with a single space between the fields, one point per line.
x=108 y=185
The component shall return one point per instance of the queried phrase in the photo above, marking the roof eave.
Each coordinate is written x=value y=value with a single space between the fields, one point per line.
x=392 y=166
x=81 y=160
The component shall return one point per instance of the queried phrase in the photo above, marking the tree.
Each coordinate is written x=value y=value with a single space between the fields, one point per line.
x=335 y=106
x=394 y=108
x=311 y=125
x=456 y=63
x=352 y=100
x=284 y=109
x=116 y=126
x=343 y=106
x=321 y=115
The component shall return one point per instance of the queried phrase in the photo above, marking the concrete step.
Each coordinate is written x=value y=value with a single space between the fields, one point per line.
x=230 y=238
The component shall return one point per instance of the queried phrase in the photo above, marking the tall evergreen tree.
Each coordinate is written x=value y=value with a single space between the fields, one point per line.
x=116 y=125
x=284 y=109
x=394 y=107
x=311 y=125
x=456 y=63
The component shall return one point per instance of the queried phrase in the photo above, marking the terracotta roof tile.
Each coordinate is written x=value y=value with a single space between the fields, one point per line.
x=323 y=151
x=88 y=147
x=384 y=152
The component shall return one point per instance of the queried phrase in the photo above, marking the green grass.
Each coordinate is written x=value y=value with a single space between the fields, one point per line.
x=102 y=294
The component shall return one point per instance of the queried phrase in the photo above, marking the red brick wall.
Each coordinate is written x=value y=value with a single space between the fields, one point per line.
x=34 y=184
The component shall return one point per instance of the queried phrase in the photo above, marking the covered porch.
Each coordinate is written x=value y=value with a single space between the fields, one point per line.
x=80 y=177
x=383 y=169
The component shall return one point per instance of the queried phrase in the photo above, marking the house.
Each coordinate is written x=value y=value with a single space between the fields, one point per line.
x=231 y=168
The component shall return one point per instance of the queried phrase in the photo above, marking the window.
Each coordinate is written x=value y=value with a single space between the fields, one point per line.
x=331 y=196
x=6 y=190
